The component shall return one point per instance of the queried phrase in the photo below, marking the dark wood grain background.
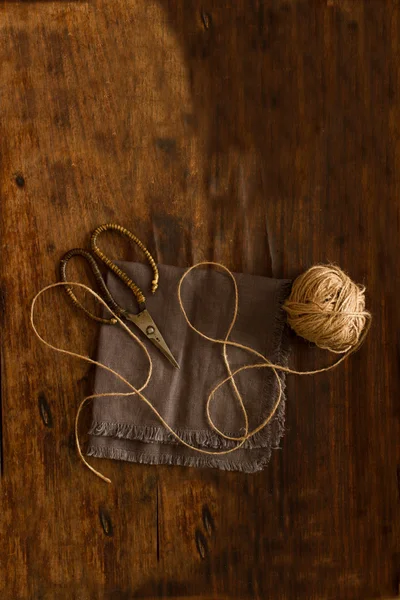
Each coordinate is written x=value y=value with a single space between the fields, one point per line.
x=263 y=134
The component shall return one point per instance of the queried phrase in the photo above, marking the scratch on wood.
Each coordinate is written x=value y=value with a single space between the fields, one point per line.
x=201 y=544
x=1 y=424
x=105 y=521
x=158 y=523
x=2 y=300
x=44 y=410
x=398 y=481
x=71 y=444
x=86 y=377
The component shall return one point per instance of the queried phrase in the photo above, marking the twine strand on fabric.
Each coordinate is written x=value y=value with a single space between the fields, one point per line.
x=332 y=303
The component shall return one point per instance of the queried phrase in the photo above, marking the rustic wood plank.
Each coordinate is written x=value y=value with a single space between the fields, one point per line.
x=261 y=134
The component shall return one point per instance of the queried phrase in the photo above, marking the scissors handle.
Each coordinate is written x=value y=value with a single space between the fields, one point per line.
x=104 y=292
x=111 y=265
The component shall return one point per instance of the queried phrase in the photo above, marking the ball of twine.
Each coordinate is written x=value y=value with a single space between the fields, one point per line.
x=327 y=308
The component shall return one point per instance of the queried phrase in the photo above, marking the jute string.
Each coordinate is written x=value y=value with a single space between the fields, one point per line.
x=326 y=307
x=335 y=306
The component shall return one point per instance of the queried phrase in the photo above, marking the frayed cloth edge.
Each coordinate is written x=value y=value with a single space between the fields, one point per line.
x=181 y=460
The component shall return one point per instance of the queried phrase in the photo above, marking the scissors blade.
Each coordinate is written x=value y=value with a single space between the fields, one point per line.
x=145 y=323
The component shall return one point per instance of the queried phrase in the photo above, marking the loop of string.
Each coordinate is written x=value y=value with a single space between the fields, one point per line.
x=265 y=363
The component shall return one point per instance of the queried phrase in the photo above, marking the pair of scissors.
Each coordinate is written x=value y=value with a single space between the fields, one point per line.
x=142 y=319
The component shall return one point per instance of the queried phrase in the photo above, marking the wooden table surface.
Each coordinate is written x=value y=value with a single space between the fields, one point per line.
x=262 y=134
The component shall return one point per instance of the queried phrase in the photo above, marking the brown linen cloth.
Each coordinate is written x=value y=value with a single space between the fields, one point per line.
x=127 y=429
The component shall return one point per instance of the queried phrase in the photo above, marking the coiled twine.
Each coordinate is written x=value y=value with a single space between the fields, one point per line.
x=327 y=308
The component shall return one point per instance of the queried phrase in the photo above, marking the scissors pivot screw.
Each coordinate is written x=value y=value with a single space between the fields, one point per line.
x=150 y=330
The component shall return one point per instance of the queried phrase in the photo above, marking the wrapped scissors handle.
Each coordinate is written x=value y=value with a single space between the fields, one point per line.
x=105 y=294
x=111 y=265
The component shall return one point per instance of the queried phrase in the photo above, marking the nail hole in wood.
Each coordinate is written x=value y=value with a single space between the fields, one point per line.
x=206 y=19
x=201 y=544
x=19 y=180
x=44 y=410
x=208 y=520
x=106 y=523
